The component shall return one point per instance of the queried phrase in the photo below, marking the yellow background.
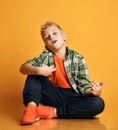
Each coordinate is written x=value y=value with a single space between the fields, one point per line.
x=92 y=30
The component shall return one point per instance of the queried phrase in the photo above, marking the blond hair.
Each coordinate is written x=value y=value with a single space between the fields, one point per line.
x=48 y=24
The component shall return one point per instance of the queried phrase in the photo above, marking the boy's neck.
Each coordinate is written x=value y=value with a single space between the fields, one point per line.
x=61 y=52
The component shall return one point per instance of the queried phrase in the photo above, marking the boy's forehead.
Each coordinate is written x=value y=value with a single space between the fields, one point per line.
x=50 y=29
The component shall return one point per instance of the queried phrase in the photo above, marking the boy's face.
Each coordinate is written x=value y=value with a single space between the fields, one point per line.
x=54 y=38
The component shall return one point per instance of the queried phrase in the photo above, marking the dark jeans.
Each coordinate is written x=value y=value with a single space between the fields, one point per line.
x=69 y=104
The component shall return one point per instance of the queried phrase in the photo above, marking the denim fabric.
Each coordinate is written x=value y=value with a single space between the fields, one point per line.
x=69 y=104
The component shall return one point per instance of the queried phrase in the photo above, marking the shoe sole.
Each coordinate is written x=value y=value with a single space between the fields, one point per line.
x=29 y=123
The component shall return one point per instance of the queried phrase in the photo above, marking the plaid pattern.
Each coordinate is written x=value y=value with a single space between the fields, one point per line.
x=75 y=67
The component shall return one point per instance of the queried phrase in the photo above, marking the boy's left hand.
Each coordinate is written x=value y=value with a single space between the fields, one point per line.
x=96 y=88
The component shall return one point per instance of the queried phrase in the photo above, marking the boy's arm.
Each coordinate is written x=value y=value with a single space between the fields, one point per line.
x=28 y=69
x=86 y=86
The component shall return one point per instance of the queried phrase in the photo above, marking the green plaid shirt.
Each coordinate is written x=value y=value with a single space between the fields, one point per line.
x=75 y=67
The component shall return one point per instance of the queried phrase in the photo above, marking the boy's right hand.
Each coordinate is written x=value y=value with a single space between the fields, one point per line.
x=45 y=70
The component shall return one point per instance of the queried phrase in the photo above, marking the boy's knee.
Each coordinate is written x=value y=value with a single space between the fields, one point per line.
x=99 y=104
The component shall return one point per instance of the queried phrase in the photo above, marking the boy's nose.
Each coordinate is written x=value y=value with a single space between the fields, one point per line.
x=51 y=37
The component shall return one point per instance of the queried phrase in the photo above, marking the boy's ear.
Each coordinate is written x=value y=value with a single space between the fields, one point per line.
x=65 y=37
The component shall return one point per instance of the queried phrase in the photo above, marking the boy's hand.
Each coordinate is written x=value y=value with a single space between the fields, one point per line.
x=46 y=70
x=96 y=88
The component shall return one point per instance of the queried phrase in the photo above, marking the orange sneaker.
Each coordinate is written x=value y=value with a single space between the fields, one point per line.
x=30 y=115
x=46 y=111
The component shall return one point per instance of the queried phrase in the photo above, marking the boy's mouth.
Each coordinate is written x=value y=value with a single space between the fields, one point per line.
x=54 y=41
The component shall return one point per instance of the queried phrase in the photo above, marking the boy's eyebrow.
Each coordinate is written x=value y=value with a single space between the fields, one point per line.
x=53 y=31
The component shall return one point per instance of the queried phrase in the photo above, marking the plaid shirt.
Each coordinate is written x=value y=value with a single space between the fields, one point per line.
x=75 y=67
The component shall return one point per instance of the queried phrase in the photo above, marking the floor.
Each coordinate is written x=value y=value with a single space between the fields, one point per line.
x=61 y=124
x=10 y=120
x=12 y=110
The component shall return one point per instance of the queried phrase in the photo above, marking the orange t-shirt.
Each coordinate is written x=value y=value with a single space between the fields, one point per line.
x=59 y=77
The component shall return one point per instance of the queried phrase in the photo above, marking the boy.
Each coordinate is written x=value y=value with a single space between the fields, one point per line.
x=58 y=84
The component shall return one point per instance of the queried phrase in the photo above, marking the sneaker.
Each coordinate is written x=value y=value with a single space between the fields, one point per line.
x=46 y=112
x=30 y=115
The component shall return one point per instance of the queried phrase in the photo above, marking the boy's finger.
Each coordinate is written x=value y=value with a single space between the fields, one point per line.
x=53 y=69
x=96 y=83
x=101 y=83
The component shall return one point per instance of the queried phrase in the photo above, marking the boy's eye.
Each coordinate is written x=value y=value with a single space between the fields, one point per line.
x=55 y=33
x=46 y=38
